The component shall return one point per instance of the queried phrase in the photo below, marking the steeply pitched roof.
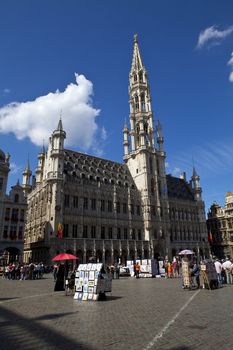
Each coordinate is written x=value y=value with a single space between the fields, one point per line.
x=178 y=188
x=80 y=165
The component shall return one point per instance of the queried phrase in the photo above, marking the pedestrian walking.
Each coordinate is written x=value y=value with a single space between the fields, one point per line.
x=227 y=267
x=137 y=269
x=218 y=268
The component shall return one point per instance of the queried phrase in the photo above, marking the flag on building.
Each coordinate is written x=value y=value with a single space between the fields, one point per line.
x=59 y=231
x=210 y=238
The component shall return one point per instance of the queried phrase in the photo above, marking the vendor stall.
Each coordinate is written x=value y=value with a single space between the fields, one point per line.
x=186 y=274
x=209 y=275
x=148 y=267
x=92 y=282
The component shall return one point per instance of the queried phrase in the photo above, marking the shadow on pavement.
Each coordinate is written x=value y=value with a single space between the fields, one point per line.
x=4 y=299
x=53 y=316
x=181 y=348
x=27 y=334
x=110 y=298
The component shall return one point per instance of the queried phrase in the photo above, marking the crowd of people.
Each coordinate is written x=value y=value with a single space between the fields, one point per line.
x=18 y=271
x=224 y=269
x=172 y=269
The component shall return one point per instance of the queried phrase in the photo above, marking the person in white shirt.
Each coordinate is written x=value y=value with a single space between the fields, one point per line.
x=227 y=267
x=218 y=268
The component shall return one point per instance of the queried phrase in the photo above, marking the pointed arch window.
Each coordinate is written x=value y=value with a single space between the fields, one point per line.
x=137 y=134
x=152 y=186
x=136 y=102
x=143 y=105
x=135 y=78
x=151 y=165
x=141 y=77
x=146 y=132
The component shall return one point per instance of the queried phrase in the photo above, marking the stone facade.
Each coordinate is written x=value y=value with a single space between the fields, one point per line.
x=220 y=228
x=12 y=214
x=113 y=211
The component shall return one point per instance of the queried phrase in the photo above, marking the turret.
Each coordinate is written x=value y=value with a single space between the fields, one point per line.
x=40 y=165
x=57 y=150
x=159 y=138
x=196 y=187
x=4 y=170
x=27 y=178
x=126 y=141
x=58 y=137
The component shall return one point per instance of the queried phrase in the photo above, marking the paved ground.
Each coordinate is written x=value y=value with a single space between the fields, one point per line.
x=139 y=315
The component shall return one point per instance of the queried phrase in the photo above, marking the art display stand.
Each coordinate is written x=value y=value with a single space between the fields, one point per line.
x=130 y=265
x=91 y=282
x=186 y=276
x=209 y=276
x=145 y=268
x=148 y=267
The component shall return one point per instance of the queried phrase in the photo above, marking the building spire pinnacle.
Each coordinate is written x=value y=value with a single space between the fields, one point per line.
x=60 y=126
x=43 y=148
x=159 y=129
x=137 y=59
x=194 y=169
x=27 y=168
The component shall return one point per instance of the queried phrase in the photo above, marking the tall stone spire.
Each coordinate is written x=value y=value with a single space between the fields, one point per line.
x=60 y=126
x=137 y=59
x=27 y=167
x=141 y=118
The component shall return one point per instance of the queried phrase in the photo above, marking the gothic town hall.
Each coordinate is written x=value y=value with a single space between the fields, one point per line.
x=114 y=211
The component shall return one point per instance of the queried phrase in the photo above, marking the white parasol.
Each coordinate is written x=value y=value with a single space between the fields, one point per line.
x=186 y=252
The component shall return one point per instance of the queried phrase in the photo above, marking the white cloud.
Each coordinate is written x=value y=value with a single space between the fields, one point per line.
x=213 y=36
x=231 y=77
x=176 y=171
x=37 y=119
x=14 y=168
x=213 y=158
x=6 y=91
x=230 y=63
x=103 y=134
x=167 y=165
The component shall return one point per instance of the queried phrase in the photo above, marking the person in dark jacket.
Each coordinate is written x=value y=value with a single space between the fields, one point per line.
x=60 y=281
x=196 y=273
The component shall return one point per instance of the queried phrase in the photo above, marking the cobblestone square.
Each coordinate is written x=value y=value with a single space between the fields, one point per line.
x=138 y=315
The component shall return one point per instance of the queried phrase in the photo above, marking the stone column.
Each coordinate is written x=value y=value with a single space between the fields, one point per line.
x=84 y=252
x=128 y=250
x=112 y=253
x=151 y=250
x=143 y=253
x=103 y=253
x=94 y=248
x=120 y=250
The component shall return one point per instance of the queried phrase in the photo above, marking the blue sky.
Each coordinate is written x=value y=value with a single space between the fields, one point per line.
x=44 y=43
